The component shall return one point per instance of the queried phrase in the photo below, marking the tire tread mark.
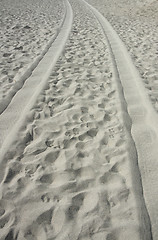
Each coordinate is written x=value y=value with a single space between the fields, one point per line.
x=16 y=114
x=133 y=112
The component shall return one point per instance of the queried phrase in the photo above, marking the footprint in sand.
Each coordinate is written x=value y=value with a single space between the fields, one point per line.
x=52 y=156
x=46 y=178
x=58 y=221
x=75 y=206
x=12 y=171
x=90 y=202
x=7 y=219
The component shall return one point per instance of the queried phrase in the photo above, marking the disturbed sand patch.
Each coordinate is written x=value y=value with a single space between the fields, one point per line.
x=67 y=175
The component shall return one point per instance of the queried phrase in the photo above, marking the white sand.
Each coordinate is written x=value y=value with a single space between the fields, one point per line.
x=136 y=22
x=26 y=30
x=72 y=165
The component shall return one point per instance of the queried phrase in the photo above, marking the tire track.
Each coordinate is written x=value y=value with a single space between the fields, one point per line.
x=138 y=112
x=74 y=150
x=68 y=171
x=18 y=109
x=22 y=77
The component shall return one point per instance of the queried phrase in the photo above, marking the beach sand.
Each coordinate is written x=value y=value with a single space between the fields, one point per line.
x=136 y=22
x=71 y=164
x=26 y=30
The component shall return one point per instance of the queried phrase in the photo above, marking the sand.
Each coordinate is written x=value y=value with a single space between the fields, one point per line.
x=136 y=22
x=27 y=29
x=78 y=153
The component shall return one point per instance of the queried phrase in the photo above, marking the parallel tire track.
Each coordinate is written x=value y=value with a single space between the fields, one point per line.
x=141 y=140
x=16 y=113
x=137 y=112
x=22 y=78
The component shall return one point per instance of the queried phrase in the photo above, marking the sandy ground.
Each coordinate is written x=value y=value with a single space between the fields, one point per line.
x=25 y=29
x=136 y=22
x=72 y=170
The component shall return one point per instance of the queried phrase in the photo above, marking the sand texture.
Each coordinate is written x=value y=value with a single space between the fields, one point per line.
x=78 y=148
x=26 y=30
x=136 y=22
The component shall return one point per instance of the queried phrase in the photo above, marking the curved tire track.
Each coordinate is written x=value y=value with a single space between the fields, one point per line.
x=16 y=114
x=21 y=78
x=137 y=112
